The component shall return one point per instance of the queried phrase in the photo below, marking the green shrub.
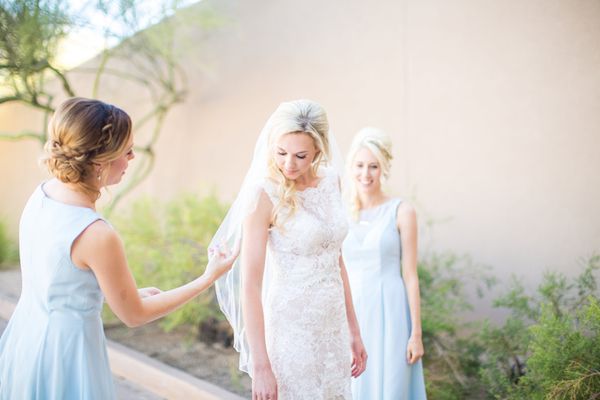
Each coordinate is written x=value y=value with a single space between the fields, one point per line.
x=9 y=255
x=565 y=354
x=549 y=346
x=452 y=352
x=166 y=247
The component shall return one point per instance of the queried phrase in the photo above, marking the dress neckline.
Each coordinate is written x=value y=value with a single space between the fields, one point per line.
x=52 y=200
x=378 y=206
x=309 y=189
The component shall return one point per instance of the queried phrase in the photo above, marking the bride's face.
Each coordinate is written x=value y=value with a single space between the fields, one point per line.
x=294 y=154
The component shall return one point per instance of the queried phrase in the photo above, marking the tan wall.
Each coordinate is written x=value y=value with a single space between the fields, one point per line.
x=493 y=107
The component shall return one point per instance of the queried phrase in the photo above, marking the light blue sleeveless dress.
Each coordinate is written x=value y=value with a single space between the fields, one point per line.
x=372 y=253
x=54 y=345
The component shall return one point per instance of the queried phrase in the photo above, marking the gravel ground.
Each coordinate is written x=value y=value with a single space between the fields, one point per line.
x=180 y=350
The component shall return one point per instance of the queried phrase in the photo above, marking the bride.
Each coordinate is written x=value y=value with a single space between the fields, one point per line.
x=289 y=300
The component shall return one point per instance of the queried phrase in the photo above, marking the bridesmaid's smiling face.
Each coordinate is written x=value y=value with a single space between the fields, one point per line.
x=366 y=172
x=294 y=154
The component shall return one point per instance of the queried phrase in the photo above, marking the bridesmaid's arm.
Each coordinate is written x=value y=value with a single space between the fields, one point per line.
x=100 y=249
x=359 y=354
x=254 y=245
x=407 y=225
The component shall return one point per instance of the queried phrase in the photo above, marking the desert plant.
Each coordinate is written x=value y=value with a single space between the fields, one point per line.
x=548 y=347
x=565 y=354
x=451 y=350
x=143 y=50
x=9 y=255
x=166 y=245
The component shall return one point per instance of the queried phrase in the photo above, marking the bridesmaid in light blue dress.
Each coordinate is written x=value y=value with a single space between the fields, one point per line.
x=380 y=255
x=71 y=259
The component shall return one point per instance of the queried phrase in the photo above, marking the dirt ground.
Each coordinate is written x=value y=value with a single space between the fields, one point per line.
x=181 y=350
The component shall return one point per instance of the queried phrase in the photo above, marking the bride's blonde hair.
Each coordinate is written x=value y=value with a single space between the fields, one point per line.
x=380 y=145
x=296 y=117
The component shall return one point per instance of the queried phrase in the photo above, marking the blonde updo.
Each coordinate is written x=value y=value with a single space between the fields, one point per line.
x=380 y=145
x=296 y=117
x=82 y=133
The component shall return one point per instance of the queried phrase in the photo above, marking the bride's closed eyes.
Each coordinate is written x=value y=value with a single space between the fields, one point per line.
x=301 y=156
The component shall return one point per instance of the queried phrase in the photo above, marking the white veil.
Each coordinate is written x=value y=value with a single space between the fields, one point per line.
x=291 y=116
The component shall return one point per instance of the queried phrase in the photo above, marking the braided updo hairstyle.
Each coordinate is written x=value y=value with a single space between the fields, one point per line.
x=81 y=134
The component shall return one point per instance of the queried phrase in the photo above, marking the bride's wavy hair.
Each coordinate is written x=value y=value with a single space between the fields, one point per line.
x=380 y=145
x=296 y=117
x=81 y=134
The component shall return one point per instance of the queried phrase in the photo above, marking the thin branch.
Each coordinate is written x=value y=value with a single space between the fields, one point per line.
x=13 y=137
x=117 y=73
x=99 y=71
x=65 y=82
x=450 y=363
x=10 y=98
x=161 y=107
x=31 y=102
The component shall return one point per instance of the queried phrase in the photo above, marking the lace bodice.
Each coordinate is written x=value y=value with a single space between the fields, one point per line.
x=306 y=328
x=314 y=232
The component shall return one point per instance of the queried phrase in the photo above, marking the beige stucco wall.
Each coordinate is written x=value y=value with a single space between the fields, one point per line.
x=493 y=107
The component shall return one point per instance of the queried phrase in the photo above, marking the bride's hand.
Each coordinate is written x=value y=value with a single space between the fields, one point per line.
x=264 y=384
x=359 y=356
x=148 y=291
x=220 y=260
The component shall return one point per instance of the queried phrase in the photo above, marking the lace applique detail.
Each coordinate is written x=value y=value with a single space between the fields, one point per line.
x=305 y=314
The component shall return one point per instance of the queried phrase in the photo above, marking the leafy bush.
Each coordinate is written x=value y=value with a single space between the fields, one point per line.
x=452 y=352
x=166 y=247
x=565 y=360
x=9 y=254
x=549 y=346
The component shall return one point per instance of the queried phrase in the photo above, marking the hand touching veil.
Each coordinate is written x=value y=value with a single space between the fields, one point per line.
x=229 y=286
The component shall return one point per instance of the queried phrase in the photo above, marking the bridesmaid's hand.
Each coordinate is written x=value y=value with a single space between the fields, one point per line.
x=148 y=291
x=264 y=384
x=220 y=260
x=414 y=350
x=359 y=356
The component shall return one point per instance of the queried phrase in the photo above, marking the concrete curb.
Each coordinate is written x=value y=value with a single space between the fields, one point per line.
x=146 y=372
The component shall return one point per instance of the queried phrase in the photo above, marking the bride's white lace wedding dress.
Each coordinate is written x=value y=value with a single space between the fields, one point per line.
x=306 y=327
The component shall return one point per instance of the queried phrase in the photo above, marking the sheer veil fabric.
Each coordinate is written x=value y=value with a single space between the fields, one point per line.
x=229 y=286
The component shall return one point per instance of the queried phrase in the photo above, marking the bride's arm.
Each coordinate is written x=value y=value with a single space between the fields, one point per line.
x=255 y=234
x=359 y=354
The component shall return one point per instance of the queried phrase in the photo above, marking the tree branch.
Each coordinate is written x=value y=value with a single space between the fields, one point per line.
x=13 y=137
x=8 y=99
x=63 y=79
x=453 y=368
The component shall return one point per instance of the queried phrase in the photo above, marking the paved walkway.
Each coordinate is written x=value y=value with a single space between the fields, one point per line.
x=136 y=376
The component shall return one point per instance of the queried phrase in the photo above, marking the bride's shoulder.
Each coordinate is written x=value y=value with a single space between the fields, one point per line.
x=269 y=186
